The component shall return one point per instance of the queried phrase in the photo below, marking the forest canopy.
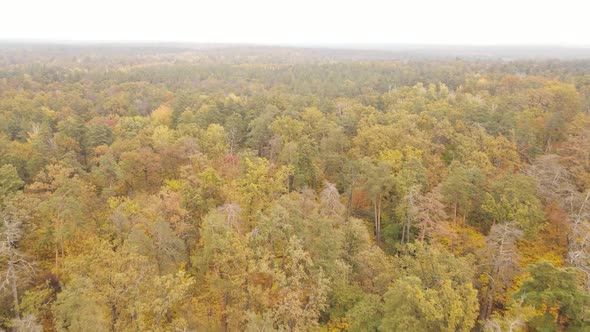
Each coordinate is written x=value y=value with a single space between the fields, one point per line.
x=288 y=189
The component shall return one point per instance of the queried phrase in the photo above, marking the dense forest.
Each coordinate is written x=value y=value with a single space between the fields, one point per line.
x=289 y=189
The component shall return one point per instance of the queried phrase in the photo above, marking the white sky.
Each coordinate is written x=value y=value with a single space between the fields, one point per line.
x=565 y=22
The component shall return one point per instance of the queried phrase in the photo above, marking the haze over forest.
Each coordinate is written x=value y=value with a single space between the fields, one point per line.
x=180 y=186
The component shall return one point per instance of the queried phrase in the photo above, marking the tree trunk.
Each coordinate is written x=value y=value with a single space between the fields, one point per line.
x=490 y=305
x=422 y=234
x=11 y=267
x=57 y=245
x=404 y=225
x=454 y=237
x=379 y=224
x=349 y=207
x=377 y=213
x=408 y=223
x=187 y=245
x=483 y=312
x=224 y=313
x=114 y=317
x=56 y=260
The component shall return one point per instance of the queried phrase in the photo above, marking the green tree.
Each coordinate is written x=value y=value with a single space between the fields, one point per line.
x=66 y=201
x=462 y=189
x=443 y=283
x=410 y=306
x=513 y=199
x=366 y=315
x=557 y=292
x=10 y=182
x=261 y=184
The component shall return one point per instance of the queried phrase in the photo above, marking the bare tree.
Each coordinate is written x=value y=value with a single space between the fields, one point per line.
x=232 y=215
x=330 y=200
x=430 y=214
x=503 y=262
x=509 y=323
x=579 y=237
x=17 y=268
x=554 y=182
x=411 y=212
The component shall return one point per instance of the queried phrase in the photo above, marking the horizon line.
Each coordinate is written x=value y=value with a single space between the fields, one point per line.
x=58 y=41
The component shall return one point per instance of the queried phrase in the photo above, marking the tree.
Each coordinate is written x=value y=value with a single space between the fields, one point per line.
x=287 y=128
x=107 y=174
x=434 y=292
x=154 y=226
x=142 y=169
x=430 y=215
x=408 y=181
x=162 y=116
x=99 y=134
x=556 y=292
x=118 y=290
x=554 y=182
x=214 y=141
x=366 y=315
x=10 y=182
x=502 y=261
x=579 y=238
x=223 y=263
x=19 y=267
x=259 y=133
x=461 y=188
x=305 y=294
x=77 y=308
x=575 y=151
x=377 y=183
x=261 y=184
x=514 y=320
x=306 y=173
x=411 y=306
x=513 y=199
x=66 y=202
x=330 y=201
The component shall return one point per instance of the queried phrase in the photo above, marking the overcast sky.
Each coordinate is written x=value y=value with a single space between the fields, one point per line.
x=564 y=22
